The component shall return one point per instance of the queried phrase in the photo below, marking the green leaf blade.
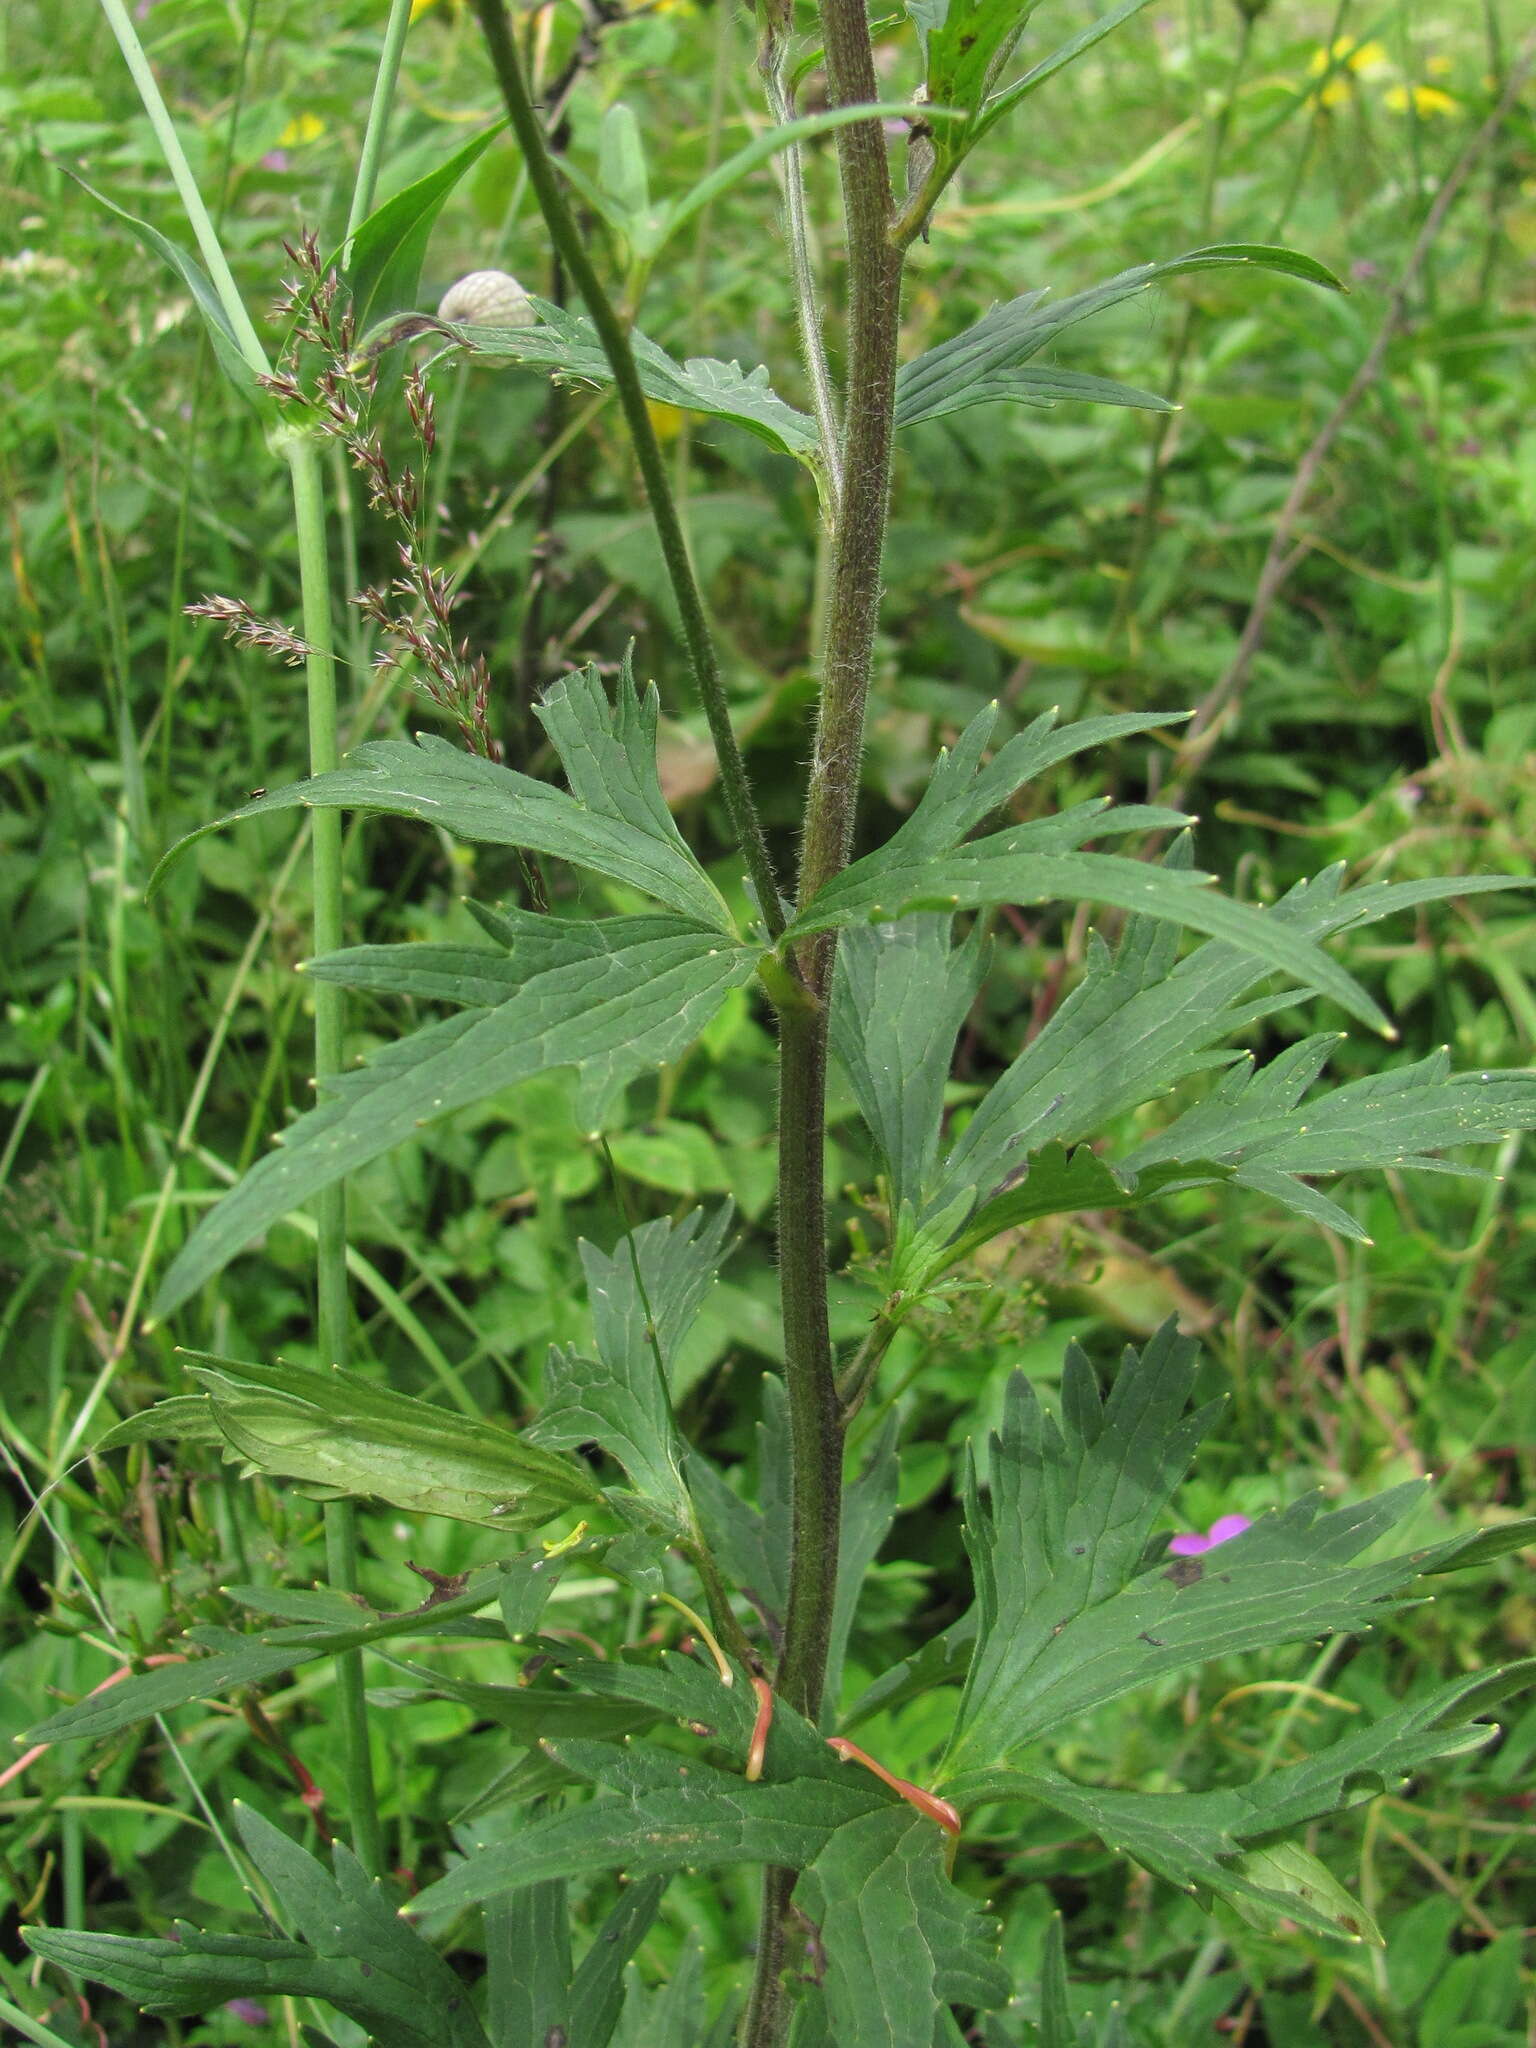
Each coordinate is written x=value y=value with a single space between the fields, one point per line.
x=613 y=821
x=890 y=884
x=672 y=1813
x=901 y=1942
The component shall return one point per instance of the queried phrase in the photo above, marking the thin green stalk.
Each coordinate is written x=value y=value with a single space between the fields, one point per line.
x=367 y=179
x=301 y=449
x=567 y=238
x=719 y=79
x=30 y=2029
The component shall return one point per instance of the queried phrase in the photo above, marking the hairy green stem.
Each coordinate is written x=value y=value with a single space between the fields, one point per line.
x=874 y=299
x=301 y=451
x=766 y=2014
x=815 y=1413
x=816 y=1420
x=614 y=336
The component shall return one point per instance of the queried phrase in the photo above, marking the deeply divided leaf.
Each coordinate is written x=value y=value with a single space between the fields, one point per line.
x=614 y=819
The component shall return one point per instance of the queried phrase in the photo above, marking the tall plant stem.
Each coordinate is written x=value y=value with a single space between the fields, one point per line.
x=815 y=1413
x=302 y=453
x=874 y=302
x=613 y=335
x=874 y=285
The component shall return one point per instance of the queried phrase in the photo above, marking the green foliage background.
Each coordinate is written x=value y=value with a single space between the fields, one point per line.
x=1390 y=719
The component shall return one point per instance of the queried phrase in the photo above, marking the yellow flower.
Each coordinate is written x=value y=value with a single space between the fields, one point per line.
x=419 y=7
x=1425 y=99
x=666 y=419
x=302 y=128
x=1364 y=59
x=1438 y=66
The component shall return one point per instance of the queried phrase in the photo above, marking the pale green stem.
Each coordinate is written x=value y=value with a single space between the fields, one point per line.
x=367 y=179
x=301 y=450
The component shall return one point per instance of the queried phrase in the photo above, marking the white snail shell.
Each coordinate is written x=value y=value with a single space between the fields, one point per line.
x=487 y=298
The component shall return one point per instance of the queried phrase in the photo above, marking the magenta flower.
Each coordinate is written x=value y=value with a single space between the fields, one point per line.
x=250 y=2010
x=1222 y=1530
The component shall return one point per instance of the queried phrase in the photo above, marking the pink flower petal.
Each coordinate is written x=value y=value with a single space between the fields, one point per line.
x=1225 y=1527
x=1189 y=1546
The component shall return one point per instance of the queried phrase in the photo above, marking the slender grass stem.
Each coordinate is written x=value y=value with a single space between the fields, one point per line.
x=366 y=181
x=568 y=240
x=301 y=450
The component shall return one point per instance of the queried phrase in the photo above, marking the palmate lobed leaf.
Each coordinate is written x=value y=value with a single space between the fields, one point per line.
x=900 y=1940
x=522 y=1583
x=1067 y=1618
x=354 y=1953
x=1140 y=1021
x=925 y=865
x=613 y=820
x=963 y=787
x=1264 y=1126
x=999 y=869
x=671 y=1813
x=1205 y=1841
x=620 y=1399
x=900 y=997
x=612 y=998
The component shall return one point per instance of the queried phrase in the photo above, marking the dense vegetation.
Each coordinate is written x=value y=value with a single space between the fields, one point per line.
x=1328 y=550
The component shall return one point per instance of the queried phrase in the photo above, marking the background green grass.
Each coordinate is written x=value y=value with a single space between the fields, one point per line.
x=146 y=1053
